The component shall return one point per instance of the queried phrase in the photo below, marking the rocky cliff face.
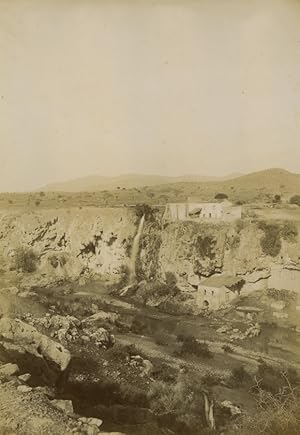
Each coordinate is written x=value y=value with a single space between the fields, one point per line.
x=70 y=243
x=193 y=251
x=75 y=243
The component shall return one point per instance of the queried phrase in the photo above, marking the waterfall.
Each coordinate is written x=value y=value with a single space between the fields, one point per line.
x=135 y=249
x=209 y=412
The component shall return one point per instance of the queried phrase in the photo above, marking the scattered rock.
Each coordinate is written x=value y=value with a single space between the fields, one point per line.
x=25 y=377
x=10 y=290
x=27 y=294
x=223 y=329
x=103 y=338
x=95 y=421
x=63 y=405
x=9 y=369
x=234 y=410
x=147 y=367
x=24 y=389
x=100 y=317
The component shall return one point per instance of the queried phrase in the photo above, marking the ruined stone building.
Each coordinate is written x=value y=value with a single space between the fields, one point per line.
x=196 y=211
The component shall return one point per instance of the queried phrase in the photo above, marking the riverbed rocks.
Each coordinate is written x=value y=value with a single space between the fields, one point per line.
x=252 y=331
x=34 y=352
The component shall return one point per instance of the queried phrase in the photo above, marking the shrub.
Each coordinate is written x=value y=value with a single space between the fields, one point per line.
x=221 y=195
x=26 y=260
x=271 y=241
x=171 y=279
x=161 y=339
x=281 y=295
x=227 y=348
x=144 y=210
x=295 y=200
x=205 y=246
x=139 y=325
x=183 y=401
x=277 y=199
x=164 y=372
x=211 y=378
x=190 y=346
x=240 y=375
x=289 y=231
x=276 y=414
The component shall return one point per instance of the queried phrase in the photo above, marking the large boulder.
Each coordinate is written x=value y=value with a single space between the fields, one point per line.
x=46 y=360
x=100 y=317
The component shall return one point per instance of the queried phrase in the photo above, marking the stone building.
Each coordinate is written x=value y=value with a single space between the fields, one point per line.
x=217 y=291
x=196 y=211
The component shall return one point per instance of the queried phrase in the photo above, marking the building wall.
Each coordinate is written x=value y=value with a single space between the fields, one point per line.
x=213 y=297
x=220 y=211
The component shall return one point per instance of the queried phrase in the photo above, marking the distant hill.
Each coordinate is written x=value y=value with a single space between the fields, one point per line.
x=129 y=181
x=252 y=186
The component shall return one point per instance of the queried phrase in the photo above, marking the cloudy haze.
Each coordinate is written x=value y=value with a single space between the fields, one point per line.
x=165 y=87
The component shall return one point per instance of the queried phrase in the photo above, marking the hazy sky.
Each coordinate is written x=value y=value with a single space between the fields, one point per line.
x=165 y=86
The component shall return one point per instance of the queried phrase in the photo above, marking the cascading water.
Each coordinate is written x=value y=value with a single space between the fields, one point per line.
x=135 y=249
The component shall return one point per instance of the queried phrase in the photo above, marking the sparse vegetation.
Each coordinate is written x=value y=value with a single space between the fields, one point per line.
x=240 y=375
x=191 y=346
x=205 y=246
x=295 y=200
x=289 y=231
x=25 y=260
x=271 y=240
x=227 y=348
x=221 y=195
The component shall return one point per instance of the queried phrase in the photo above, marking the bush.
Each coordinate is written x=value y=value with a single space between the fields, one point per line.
x=240 y=375
x=227 y=348
x=289 y=231
x=144 y=210
x=221 y=195
x=271 y=241
x=295 y=200
x=211 y=378
x=26 y=260
x=190 y=346
x=205 y=247
x=171 y=279
x=163 y=372
x=276 y=413
x=139 y=326
x=277 y=199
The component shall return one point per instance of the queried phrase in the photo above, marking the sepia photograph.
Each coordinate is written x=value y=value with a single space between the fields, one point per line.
x=150 y=217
